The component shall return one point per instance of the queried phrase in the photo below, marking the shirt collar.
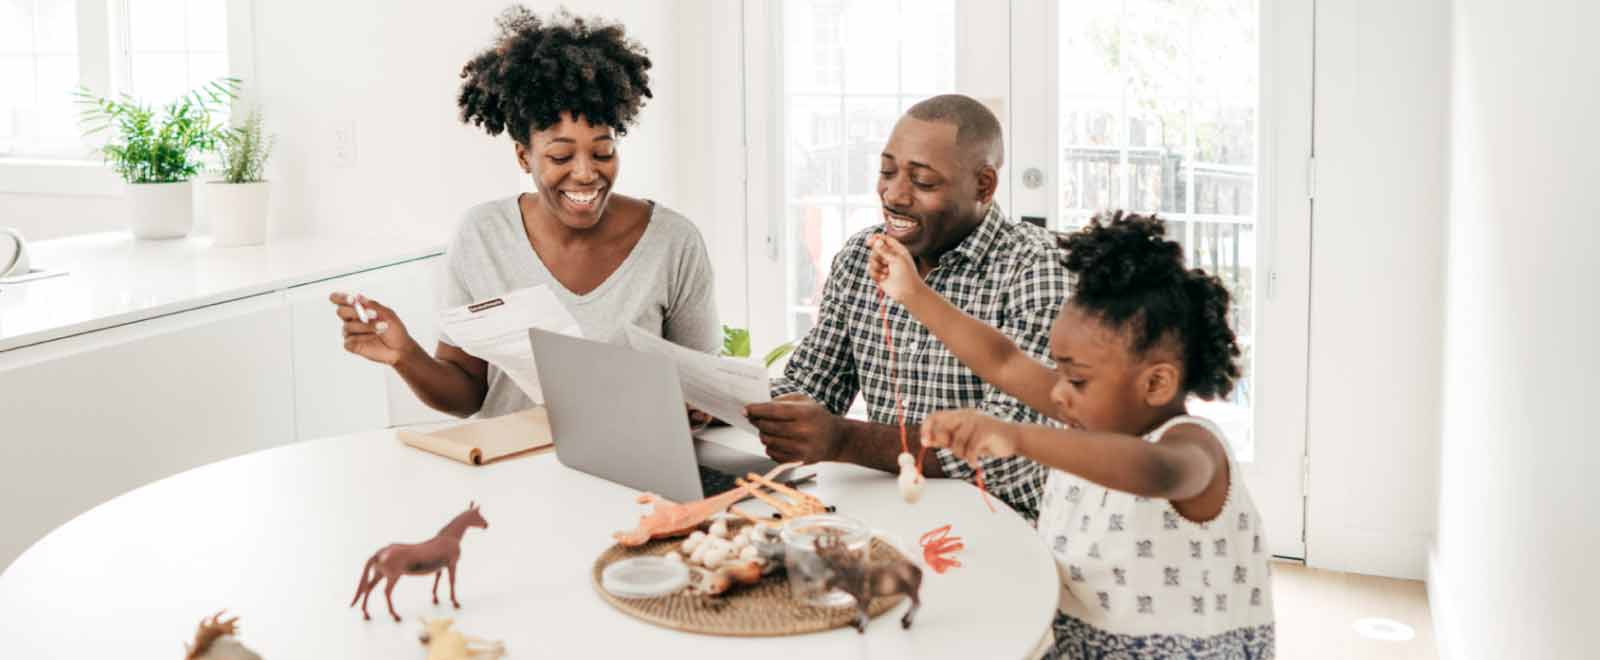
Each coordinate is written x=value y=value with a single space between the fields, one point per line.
x=973 y=248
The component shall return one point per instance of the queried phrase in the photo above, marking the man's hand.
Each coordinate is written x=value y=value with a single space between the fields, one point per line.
x=796 y=428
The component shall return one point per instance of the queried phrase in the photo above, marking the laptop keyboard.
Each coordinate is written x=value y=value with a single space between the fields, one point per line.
x=715 y=482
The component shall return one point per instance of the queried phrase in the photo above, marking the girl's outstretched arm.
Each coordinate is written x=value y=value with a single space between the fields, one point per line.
x=984 y=349
x=1178 y=466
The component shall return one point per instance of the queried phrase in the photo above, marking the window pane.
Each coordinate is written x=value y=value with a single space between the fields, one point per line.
x=850 y=68
x=55 y=27
x=816 y=131
x=207 y=25
x=1159 y=113
x=927 y=50
x=871 y=45
x=57 y=78
x=16 y=81
x=156 y=26
x=813 y=46
x=206 y=67
x=160 y=77
x=16 y=27
x=866 y=130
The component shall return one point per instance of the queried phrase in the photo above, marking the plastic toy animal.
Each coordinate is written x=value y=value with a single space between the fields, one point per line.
x=446 y=644
x=214 y=640
x=849 y=572
x=433 y=556
x=670 y=519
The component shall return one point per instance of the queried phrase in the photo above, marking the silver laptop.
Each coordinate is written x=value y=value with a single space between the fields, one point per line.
x=618 y=414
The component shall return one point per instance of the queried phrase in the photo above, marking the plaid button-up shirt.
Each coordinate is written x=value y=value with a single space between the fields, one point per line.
x=1009 y=275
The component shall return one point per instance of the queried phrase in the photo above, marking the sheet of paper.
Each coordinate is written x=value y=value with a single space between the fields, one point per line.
x=719 y=386
x=496 y=330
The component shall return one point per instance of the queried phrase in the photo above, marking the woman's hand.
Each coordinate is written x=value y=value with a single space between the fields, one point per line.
x=970 y=435
x=891 y=266
x=382 y=338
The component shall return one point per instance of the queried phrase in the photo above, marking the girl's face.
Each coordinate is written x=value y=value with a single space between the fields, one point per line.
x=573 y=164
x=1101 y=384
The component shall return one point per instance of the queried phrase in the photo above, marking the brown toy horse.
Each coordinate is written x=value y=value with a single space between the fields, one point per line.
x=848 y=571
x=435 y=556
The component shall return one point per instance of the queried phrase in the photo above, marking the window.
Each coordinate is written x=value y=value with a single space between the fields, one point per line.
x=1158 y=113
x=173 y=46
x=850 y=68
x=38 y=71
x=153 y=50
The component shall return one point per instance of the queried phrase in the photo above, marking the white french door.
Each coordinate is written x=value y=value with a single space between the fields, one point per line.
x=1199 y=110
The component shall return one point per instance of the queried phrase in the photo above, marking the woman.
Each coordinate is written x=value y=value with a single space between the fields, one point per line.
x=565 y=89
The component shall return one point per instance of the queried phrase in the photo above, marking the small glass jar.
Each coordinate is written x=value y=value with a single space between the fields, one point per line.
x=806 y=570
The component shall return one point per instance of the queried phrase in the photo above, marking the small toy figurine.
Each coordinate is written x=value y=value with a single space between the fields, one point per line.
x=786 y=502
x=446 y=644
x=435 y=556
x=214 y=640
x=670 y=519
x=911 y=479
x=849 y=572
x=938 y=543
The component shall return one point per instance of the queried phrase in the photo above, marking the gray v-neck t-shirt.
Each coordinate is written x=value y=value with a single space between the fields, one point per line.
x=663 y=286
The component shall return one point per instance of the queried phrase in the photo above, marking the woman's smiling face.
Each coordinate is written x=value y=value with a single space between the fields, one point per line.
x=574 y=164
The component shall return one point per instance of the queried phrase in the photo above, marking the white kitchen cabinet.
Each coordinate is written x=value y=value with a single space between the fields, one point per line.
x=336 y=392
x=89 y=417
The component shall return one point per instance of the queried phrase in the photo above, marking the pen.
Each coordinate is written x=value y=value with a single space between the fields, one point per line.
x=361 y=312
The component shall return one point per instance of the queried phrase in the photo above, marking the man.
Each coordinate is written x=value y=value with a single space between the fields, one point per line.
x=937 y=179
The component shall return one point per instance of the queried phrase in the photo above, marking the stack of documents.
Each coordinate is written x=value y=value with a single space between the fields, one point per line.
x=496 y=331
x=719 y=386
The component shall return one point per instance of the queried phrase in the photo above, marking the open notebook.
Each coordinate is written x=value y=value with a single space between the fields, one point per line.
x=487 y=440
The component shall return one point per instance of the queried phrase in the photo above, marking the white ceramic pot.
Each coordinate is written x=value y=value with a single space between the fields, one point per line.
x=237 y=212
x=160 y=210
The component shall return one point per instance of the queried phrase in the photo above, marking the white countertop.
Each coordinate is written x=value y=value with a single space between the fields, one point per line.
x=278 y=537
x=113 y=278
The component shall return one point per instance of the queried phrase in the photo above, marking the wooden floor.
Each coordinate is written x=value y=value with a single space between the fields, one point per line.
x=1316 y=609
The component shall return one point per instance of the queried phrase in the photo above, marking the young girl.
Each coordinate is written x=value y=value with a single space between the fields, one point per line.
x=1160 y=550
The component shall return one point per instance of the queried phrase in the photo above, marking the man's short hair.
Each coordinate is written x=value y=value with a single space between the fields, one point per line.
x=977 y=129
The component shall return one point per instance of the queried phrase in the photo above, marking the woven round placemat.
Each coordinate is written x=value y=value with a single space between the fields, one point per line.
x=764 y=609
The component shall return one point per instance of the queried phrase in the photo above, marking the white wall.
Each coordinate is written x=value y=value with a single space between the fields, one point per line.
x=42 y=217
x=1377 y=259
x=709 y=157
x=1518 y=519
x=390 y=71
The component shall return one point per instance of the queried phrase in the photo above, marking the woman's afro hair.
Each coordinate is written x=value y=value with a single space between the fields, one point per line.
x=1130 y=276
x=539 y=68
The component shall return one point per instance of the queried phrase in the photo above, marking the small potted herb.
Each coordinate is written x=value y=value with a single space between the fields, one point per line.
x=158 y=151
x=236 y=205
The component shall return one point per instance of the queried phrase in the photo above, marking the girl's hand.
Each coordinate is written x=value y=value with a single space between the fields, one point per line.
x=382 y=338
x=891 y=266
x=970 y=435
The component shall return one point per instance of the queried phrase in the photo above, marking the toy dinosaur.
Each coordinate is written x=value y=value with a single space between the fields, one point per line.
x=214 y=640
x=433 y=556
x=670 y=519
x=446 y=644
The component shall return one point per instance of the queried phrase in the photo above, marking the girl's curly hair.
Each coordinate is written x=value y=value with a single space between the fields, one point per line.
x=1130 y=276
x=539 y=68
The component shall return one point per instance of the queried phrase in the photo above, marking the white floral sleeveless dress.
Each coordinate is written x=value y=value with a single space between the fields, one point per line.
x=1140 y=581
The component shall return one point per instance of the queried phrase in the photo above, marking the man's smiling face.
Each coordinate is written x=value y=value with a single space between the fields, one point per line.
x=929 y=193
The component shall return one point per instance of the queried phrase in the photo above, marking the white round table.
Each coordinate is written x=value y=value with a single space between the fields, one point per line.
x=278 y=538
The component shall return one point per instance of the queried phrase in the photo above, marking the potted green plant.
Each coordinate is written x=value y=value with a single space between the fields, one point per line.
x=736 y=343
x=158 y=152
x=236 y=205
